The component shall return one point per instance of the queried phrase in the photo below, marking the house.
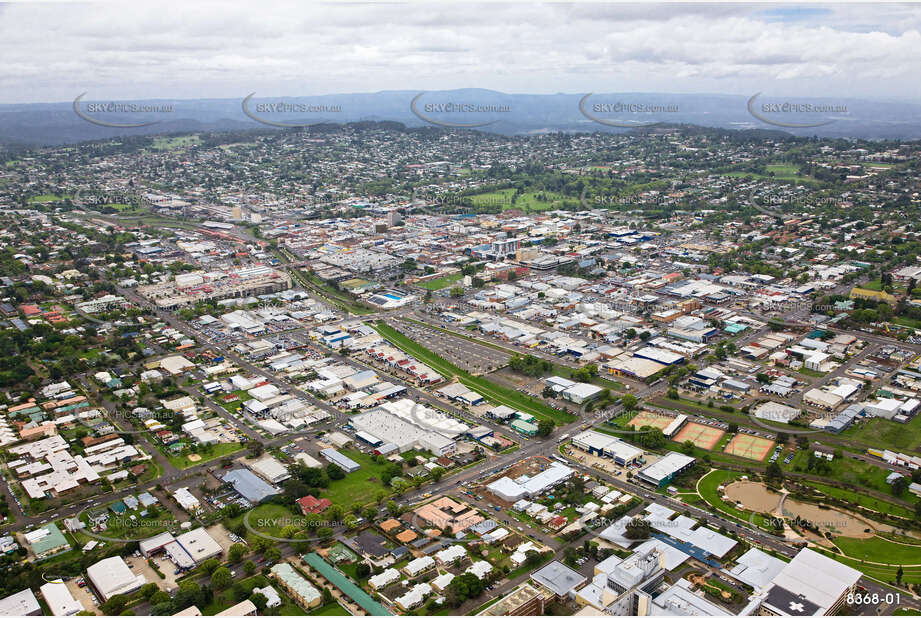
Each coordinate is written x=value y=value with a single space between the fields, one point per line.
x=310 y=505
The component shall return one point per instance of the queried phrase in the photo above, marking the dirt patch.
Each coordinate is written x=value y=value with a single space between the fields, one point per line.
x=753 y=496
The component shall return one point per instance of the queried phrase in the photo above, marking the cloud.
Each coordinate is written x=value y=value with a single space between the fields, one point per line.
x=52 y=52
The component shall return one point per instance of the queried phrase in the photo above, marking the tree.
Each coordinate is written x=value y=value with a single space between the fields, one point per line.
x=272 y=554
x=687 y=447
x=544 y=427
x=456 y=292
x=629 y=402
x=334 y=472
x=250 y=567
x=733 y=427
x=900 y=486
x=236 y=552
x=773 y=473
x=393 y=508
x=259 y=600
x=221 y=578
x=148 y=590
x=362 y=570
x=898 y=575
x=637 y=528
x=115 y=605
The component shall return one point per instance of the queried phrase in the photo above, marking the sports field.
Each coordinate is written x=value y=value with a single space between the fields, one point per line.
x=703 y=436
x=652 y=419
x=749 y=447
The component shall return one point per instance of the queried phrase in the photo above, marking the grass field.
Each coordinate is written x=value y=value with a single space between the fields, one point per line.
x=531 y=201
x=883 y=433
x=703 y=436
x=441 y=282
x=172 y=143
x=749 y=447
x=46 y=197
x=490 y=390
x=361 y=486
x=881 y=572
x=863 y=500
x=267 y=518
x=707 y=488
x=219 y=450
x=876 y=549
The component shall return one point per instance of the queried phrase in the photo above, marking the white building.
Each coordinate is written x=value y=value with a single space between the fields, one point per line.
x=112 y=576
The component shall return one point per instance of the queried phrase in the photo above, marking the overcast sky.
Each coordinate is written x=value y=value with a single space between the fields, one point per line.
x=171 y=50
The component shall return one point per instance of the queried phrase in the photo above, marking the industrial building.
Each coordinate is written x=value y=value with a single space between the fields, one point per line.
x=111 y=576
x=661 y=472
x=604 y=445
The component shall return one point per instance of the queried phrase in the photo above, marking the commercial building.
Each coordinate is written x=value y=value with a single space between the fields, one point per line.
x=250 y=486
x=512 y=490
x=558 y=579
x=525 y=600
x=59 y=599
x=809 y=585
x=23 y=603
x=661 y=472
x=600 y=444
x=335 y=457
x=112 y=576
x=46 y=541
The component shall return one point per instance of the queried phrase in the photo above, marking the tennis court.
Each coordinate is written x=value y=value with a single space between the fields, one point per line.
x=703 y=436
x=749 y=447
x=652 y=419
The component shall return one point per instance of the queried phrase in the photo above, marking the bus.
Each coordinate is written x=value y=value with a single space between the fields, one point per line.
x=562 y=438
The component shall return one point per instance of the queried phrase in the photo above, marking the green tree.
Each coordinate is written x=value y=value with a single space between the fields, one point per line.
x=236 y=552
x=221 y=578
x=544 y=427
x=249 y=567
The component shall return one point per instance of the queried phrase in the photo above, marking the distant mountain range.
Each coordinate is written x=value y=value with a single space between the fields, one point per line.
x=508 y=114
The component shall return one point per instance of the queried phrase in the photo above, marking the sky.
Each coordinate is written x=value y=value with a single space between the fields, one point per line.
x=52 y=52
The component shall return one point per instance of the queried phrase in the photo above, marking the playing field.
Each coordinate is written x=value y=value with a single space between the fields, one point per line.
x=652 y=419
x=749 y=447
x=703 y=436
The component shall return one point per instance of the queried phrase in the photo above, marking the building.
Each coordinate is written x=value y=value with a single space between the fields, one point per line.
x=23 y=603
x=270 y=469
x=597 y=443
x=310 y=505
x=186 y=500
x=335 y=457
x=525 y=600
x=810 y=584
x=199 y=545
x=296 y=585
x=59 y=599
x=558 y=579
x=250 y=486
x=112 y=576
x=513 y=490
x=47 y=541
x=660 y=473
x=243 y=608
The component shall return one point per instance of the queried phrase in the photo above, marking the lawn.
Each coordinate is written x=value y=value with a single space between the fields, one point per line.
x=47 y=197
x=883 y=433
x=490 y=390
x=876 y=549
x=172 y=143
x=267 y=518
x=531 y=201
x=217 y=451
x=707 y=487
x=441 y=282
x=881 y=572
x=361 y=486
x=866 y=501
x=848 y=471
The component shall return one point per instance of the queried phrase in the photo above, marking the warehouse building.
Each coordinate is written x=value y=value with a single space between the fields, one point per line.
x=661 y=472
x=604 y=445
x=59 y=599
x=112 y=576
x=335 y=457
